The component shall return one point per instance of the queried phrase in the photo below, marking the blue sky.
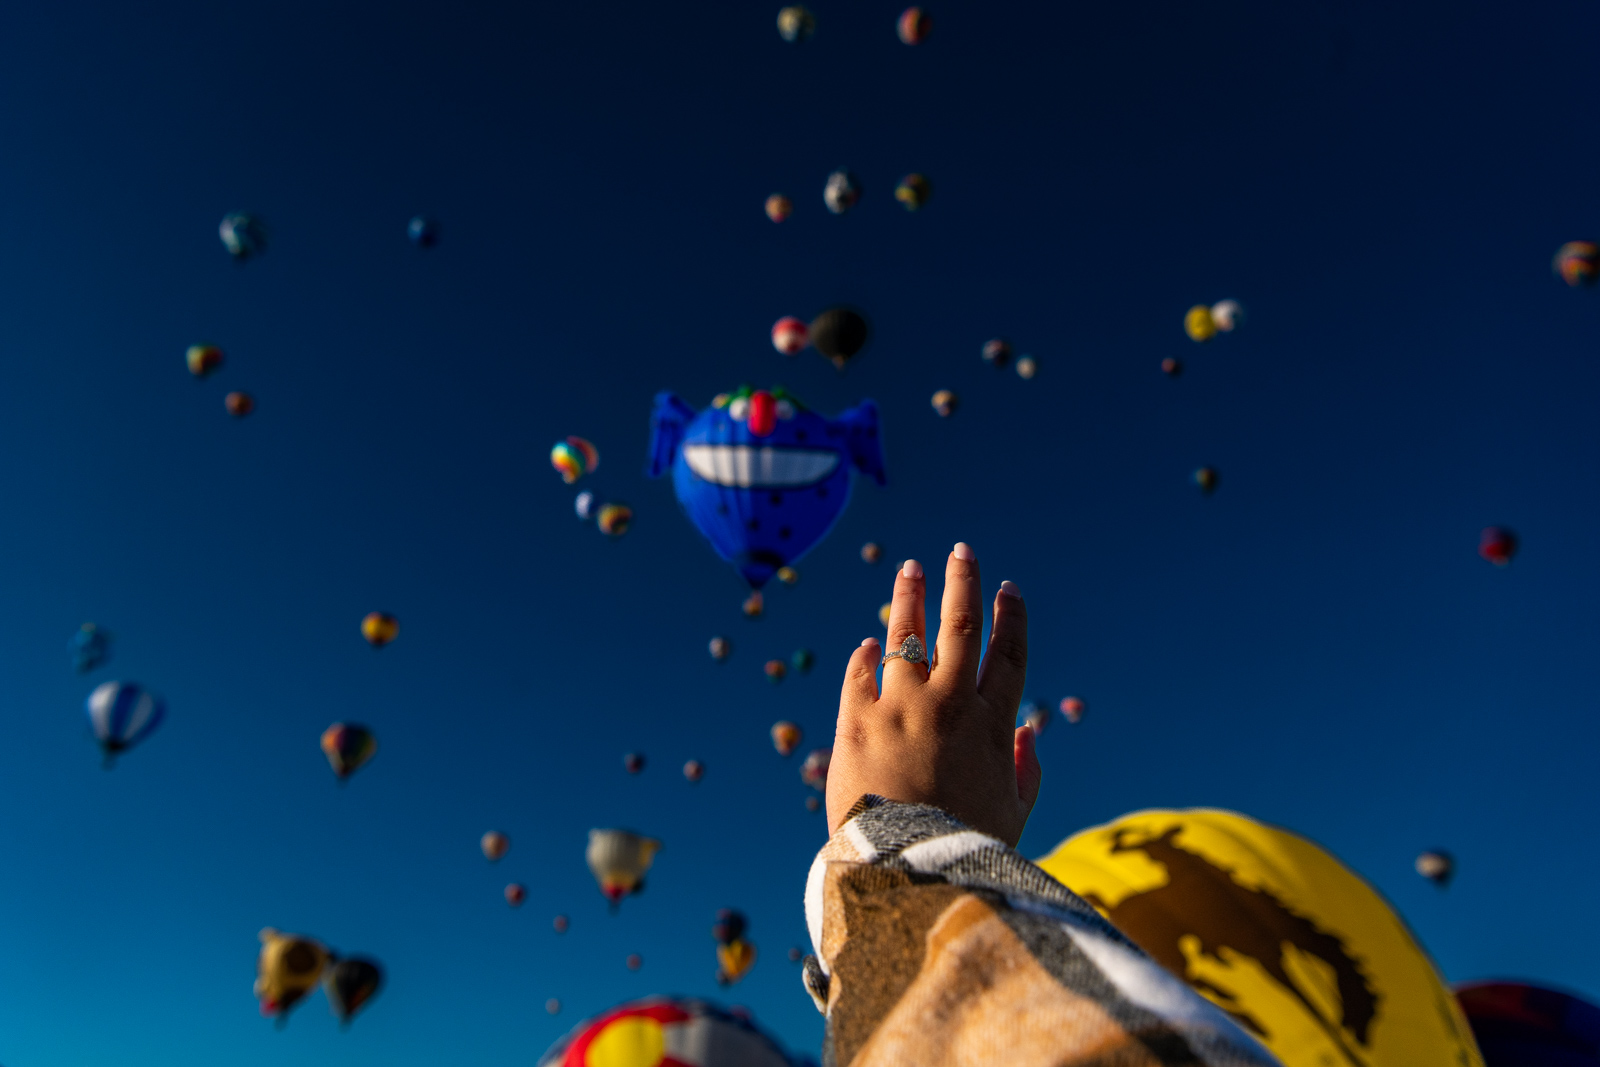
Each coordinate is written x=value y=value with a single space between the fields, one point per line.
x=1317 y=644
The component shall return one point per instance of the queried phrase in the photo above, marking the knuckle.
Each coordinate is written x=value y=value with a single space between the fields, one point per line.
x=961 y=624
x=1010 y=651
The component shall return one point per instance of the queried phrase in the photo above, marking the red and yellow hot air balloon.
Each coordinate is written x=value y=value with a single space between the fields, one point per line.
x=203 y=359
x=785 y=737
x=348 y=747
x=379 y=628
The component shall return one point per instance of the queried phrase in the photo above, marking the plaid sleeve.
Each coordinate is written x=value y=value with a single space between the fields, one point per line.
x=936 y=944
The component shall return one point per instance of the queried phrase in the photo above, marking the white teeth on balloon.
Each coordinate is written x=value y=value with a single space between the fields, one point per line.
x=745 y=466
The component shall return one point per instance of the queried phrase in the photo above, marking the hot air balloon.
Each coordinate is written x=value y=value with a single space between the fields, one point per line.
x=1171 y=367
x=1027 y=367
x=914 y=25
x=583 y=506
x=619 y=860
x=790 y=335
x=694 y=770
x=553 y=1006
x=803 y=660
x=1073 y=708
x=243 y=235
x=348 y=747
x=239 y=404
x=573 y=458
x=997 y=353
x=1497 y=545
x=202 y=359
x=1226 y=315
x=1206 y=479
x=913 y=191
x=754 y=605
x=735 y=955
x=841 y=191
x=795 y=24
x=614 y=519
x=944 y=402
x=729 y=927
x=788 y=575
x=351 y=984
x=813 y=804
x=883 y=612
x=779 y=207
x=814 y=771
x=1578 y=263
x=870 y=552
x=634 y=961
x=759 y=475
x=1198 y=323
x=633 y=762
x=560 y=923
x=1035 y=717
x=720 y=647
x=287 y=968
x=91 y=648
x=423 y=231
x=776 y=669
x=785 y=737
x=1437 y=866
x=839 y=334
x=1522 y=1025
x=516 y=893
x=1276 y=931
x=494 y=845
x=667 y=1032
x=379 y=628
x=122 y=714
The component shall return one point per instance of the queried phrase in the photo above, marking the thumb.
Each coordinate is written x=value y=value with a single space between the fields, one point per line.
x=1029 y=774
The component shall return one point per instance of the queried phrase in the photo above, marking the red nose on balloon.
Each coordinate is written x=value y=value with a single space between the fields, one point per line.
x=763 y=413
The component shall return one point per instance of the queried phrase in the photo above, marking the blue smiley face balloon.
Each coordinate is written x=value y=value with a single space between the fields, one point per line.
x=763 y=478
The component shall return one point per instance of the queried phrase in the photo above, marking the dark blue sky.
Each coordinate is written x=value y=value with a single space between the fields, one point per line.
x=1317 y=644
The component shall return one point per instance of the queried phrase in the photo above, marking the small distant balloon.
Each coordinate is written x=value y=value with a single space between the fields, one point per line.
x=729 y=927
x=379 y=628
x=694 y=770
x=785 y=737
x=583 y=506
x=1199 y=324
x=754 y=604
x=841 y=192
x=1226 y=315
x=795 y=955
x=839 y=334
x=287 y=968
x=516 y=893
x=1437 y=867
x=1578 y=263
x=1171 y=367
x=350 y=984
x=790 y=335
x=633 y=762
x=1027 y=367
x=803 y=660
x=788 y=575
x=813 y=804
x=870 y=552
x=202 y=359
x=779 y=207
x=573 y=458
x=796 y=23
x=914 y=25
x=423 y=231
x=614 y=519
x=619 y=860
x=122 y=714
x=348 y=747
x=720 y=648
x=91 y=648
x=239 y=404
x=1035 y=716
x=553 y=1006
x=734 y=960
x=634 y=961
x=776 y=669
x=883 y=612
x=913 y=191
x=814 y=771
x=560 y=924
x=1206 y=479
x=945 y=403
x=1073 y=708
x=494 y=845
x=1498 y=545
x=243 y=235
x=997 y=353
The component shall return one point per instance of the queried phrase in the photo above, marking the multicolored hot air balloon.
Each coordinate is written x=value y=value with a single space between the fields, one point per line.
x=1498 y=545
x=494 y=845
x=379 y=628
x=790 y=335
x=573 y=458
x=839 y=334
x=614 y=519
x=1073 y=708
x=667 y=1032
x=1226 y=315
x=914 y=25
x=796 y=23
x=913 y=191
x=1437 y=866
x=91 y=648
x=243 y=235
x=1198 y=323
x=754 y=605
x=997 y=353
x=287 y=968
x=1578 y=263
x=762 y=478
x=516 y=893
x=423 y=231
x=944 y=402
x=1276 y=931
x=122 y=714
x=776 y=670
x=841 y=192
x=779 y=207
x=619 y=860
x=735 y=954
x=788 y=575
x=814 y=771
x=239 y=404
x=350 y=985
x=1522 y=1025
x=202 y=359
x=720 y=648
x=785 y=737
x=348 y=747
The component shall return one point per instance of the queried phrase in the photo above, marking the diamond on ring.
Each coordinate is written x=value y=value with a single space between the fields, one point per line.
x=911 y=650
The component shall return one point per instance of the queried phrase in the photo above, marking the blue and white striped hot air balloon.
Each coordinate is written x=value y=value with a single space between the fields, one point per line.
x=122 y=714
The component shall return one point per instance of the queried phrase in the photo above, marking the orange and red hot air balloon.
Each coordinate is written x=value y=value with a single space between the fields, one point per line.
x=790 y=336
x=379 y=628
x=1497 y=545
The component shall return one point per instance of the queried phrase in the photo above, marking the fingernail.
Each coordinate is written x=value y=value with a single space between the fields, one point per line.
x=963 y=551
x=869 y=641
x=912 y=569
x=1010 y=589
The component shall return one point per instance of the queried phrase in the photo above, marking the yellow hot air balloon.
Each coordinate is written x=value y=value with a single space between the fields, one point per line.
x=379 y=628
x=734 y=960
x=619 y=860
x=288 y=968
x=1199 y=324
x=1294 y=945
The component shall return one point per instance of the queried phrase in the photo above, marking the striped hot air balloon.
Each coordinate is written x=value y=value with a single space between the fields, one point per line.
x=122 y=714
